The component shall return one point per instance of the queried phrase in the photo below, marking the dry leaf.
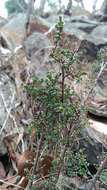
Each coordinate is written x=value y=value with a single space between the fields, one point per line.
x=25 y=161
x=45 y=165
x=10 y=149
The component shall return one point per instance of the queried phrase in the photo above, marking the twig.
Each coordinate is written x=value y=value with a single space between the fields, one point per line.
x=96 y=80
x=10 y=184
x=63 y=81
x=13 y=118
x=70 y=131
x=30 y=183
x=21 y=6
x=30 y=11
x=50 y=30
x=43 y=178
x=8 y=114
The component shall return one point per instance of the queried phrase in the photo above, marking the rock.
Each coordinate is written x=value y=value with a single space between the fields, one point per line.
x=97 y=101
x=79 y=11
x=100 y=126
x=71 y=183
x=91 y=141
x=81 y=26
x=99 y=34
x=37 y=48
x=98 y=130
x=2 y=21
x=5 y=43
x=14 y=29
x=103 y=18
x=37 y=25
x=88 y=51
x=6 y=97
x=87 y=29
x=104 y=7
x=68 y=183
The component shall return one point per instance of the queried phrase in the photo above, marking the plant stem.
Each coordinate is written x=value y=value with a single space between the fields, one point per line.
x=70 y=131
x=63 y=80
x=30 y=183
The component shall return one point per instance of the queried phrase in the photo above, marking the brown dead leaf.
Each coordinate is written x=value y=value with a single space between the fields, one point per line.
x=33 y=134
x=10 y=149
x=25 y=161
x=45 y=165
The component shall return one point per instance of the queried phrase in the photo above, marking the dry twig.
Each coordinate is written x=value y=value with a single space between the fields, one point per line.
x=8 y=113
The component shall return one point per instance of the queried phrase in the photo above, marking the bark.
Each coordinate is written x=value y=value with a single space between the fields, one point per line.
x=42 y=6
x=81 y=2
x=69 y=6
x=94 y=5
x=30 y=11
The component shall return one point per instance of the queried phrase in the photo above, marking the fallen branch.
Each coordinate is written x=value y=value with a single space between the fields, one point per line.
x=10 y=184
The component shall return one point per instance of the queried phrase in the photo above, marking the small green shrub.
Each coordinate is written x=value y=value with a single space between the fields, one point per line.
x=56 y=111
x=103 y=176
x=77 y=164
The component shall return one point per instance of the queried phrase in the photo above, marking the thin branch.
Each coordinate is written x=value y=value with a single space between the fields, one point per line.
x=63 y=81
x=21 y=6
x=70 y=132
x=42 y=6
x=29 y=13
x=10 y=184
x=7 y=110
x=8 y=114
x=30 y=183
x=95 y=83
x=94 y=6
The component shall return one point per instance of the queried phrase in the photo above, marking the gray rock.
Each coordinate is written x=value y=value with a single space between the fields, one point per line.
x=74 y=183
x=99 y=34
x=14 y=29
x=3 y=21
x=37 y=48
x=6 y=92
x=97 y=101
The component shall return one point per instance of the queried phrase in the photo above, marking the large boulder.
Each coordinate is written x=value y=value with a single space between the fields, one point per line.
x=99 y=34
x=14 y=29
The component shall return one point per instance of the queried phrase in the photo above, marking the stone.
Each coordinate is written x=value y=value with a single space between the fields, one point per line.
x=3 y=21
x=14 y=29
x=37 y=48
x=7 y=89
x=97 y=101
